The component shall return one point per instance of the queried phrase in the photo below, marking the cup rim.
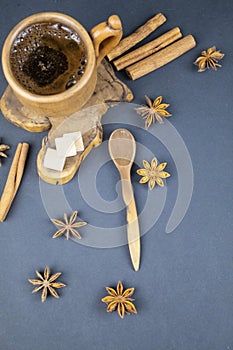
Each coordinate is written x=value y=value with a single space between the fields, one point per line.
x=40 y=18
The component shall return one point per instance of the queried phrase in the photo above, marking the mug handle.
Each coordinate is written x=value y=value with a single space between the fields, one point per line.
x=106 y=36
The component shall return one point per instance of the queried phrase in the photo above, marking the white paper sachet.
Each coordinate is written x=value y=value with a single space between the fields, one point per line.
x=65 y=147
x=77 y=138
x=53 y=161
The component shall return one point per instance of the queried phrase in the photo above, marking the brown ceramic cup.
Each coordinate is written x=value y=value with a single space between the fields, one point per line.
x=99 y=43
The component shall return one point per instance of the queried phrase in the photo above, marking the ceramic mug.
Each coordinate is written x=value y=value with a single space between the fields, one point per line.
x=102 y=39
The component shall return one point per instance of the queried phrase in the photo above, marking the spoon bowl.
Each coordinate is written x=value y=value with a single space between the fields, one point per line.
x=122 y=148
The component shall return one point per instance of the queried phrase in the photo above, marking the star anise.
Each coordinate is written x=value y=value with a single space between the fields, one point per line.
x=68 y=226
x=3 y=148
x=153 y=173
x=209 y=59
x=47 y=283
x=120 y=299
x=154 y=111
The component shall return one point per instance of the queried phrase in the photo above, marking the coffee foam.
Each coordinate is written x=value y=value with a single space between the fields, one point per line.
x=59 y=40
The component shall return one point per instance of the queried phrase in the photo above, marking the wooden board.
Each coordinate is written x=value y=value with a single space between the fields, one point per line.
x=17 y=114
x=109 y=91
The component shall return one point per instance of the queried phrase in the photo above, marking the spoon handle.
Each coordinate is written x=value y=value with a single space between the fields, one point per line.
x=133 y=232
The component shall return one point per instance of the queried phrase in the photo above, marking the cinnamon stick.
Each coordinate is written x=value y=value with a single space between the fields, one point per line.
x=13 y=180
x=140 y=34
x=148 y=49
x=161 y=58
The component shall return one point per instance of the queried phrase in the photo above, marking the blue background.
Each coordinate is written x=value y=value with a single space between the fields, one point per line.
x=184 y=290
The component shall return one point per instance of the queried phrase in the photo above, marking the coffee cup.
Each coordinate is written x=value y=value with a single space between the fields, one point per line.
x=39 y=60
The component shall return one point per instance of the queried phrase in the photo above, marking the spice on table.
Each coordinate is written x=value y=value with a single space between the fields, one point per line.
x=160 y=58
x=14 y=178
x=209 y=59
x=120 y=299
x=46 y=283
x=140 y=34
x=154 y=111
x=148 y=49
x=68 y=226
x=3 y=148
x=153 y=173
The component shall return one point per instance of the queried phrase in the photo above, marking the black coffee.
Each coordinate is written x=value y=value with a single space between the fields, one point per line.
x=48 y=58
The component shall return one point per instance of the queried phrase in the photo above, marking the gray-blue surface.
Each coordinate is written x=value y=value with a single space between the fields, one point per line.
x=184 y=290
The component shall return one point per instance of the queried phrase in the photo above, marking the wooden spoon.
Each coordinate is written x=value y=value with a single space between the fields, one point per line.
x=122 y=149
